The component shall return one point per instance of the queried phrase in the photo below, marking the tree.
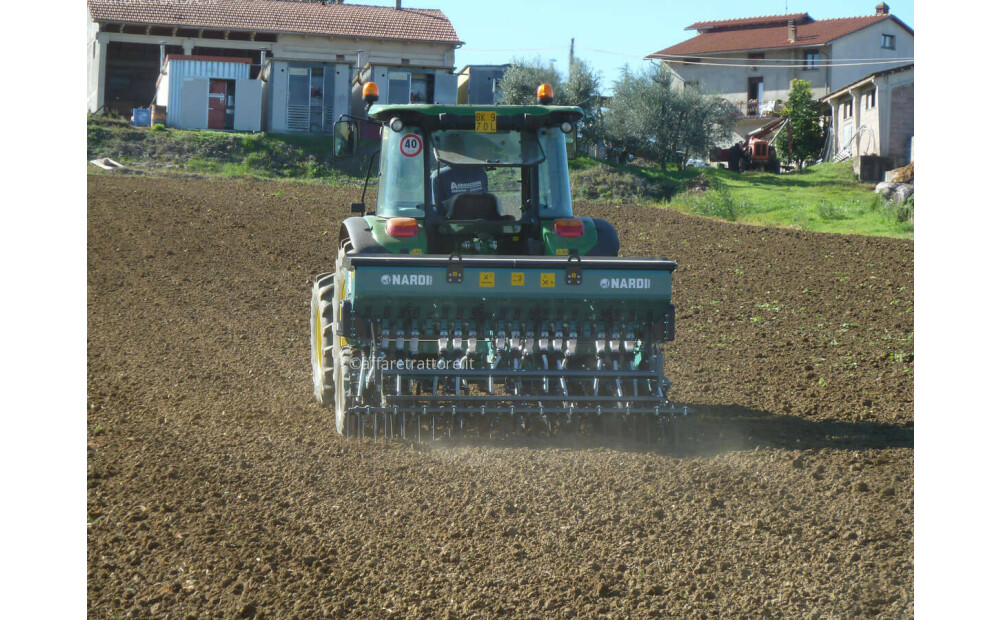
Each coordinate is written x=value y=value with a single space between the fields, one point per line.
x=803 y=114
x=519 y=85
x=650 y=116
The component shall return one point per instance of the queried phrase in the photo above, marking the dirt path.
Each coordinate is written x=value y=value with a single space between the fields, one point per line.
x=218 y=488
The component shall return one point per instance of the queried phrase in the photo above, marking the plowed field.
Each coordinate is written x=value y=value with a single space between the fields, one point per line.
x=218 y=488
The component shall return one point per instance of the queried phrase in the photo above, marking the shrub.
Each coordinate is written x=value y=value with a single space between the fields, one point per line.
x=615 y=186
x=159 y=127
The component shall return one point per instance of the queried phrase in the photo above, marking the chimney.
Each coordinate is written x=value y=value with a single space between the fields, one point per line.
x=399 y=5
x=881 y=8
x=791 y=31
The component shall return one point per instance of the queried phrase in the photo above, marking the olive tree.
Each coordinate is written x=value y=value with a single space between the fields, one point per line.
x=651 y=116
x=519 y=85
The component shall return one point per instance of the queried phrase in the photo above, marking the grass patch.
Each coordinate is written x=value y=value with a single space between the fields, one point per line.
x=231 y=154
x=823 y=198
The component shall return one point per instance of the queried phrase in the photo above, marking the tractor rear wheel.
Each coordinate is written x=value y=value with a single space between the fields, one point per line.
x=342 y=389
x=321 y=338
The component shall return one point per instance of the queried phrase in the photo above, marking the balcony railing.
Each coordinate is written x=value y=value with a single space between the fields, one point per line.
x=758 y=109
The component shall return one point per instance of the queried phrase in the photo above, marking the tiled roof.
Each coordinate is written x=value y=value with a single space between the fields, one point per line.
x=764 y=20
x=346 y=20
x=809 y=34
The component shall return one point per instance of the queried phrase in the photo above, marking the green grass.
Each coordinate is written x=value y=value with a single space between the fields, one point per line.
x=822 y=198
x=230 y=154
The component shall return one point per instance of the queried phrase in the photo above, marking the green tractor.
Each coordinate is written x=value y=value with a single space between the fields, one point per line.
x=472 y=300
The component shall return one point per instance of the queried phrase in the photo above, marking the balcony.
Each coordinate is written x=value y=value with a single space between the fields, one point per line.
x=757 y=109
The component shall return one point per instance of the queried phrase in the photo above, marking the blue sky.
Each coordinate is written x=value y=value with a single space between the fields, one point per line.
x=629 y=28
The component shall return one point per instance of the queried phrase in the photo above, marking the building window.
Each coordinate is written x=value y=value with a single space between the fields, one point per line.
x=870 y=100
x=812 y=59
x=757 y=56
x=888 y=42
x=848 y=109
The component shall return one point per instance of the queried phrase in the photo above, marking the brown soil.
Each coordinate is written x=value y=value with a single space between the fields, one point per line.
x=218 y=488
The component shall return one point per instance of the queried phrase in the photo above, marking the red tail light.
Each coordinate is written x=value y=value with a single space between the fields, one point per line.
x=569 y=227
x=401 y=227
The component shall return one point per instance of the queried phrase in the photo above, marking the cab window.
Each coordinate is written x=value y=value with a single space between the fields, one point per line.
x=401 y=173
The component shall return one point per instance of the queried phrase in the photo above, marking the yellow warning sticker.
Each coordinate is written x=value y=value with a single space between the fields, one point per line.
x=486 y=279
x=517 y=278
x=416 y=251
x=562 y=251
x=548 y=280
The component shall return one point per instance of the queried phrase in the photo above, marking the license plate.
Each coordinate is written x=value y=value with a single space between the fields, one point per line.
x=486 y=122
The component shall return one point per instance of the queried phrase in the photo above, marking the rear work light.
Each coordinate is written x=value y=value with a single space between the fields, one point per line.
x=402 y=227
x=570 y=227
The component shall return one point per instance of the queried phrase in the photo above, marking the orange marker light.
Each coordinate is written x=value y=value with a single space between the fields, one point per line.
x=570 y=227
x=369 y=92
x=544 y=94
x=402 y=227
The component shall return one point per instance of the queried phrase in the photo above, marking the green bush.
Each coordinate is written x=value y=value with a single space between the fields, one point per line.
x=159 y=127
x=615 y=186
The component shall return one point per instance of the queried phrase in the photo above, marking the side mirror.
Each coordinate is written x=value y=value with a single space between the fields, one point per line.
x=345 y=139
x=571 y=145
x=357 y=207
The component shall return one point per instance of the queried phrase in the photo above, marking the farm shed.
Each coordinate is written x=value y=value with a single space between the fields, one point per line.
x=209 y=92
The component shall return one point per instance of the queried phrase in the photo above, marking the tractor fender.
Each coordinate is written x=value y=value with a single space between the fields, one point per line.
x=359 y=233
x=607 y=239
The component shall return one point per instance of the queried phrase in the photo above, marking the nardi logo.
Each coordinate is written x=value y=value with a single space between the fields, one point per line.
x=625 y=283
x=407 y=280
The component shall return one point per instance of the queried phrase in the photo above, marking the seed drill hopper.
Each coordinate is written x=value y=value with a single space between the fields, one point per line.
x=472 y=300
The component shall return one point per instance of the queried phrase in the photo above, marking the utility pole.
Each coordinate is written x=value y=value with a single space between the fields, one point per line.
x=572 y=42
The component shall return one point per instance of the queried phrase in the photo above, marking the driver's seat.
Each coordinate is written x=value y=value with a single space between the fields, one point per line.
x=473 y=206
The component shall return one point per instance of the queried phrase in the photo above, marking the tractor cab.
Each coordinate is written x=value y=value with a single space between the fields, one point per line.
x=473 y=179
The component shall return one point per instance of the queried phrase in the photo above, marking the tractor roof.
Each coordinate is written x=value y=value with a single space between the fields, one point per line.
x=445 y=116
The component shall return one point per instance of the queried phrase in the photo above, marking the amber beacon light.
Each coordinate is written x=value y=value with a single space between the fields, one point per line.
x=544 y=94
x=370 y=92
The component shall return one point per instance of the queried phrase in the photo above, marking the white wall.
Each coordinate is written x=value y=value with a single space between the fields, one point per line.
x=867 y=43
x=731 y=82
x=97 y=54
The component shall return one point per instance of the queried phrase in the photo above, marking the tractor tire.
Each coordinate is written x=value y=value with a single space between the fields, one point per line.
x=322 y=337
x=342 y=389
x=344 y=355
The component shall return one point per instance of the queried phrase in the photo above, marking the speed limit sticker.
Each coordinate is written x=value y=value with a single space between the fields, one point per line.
x=411 y=145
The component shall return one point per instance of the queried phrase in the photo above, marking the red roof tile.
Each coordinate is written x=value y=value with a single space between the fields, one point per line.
x=807 y=34
x=764 y=20
x=347 y=20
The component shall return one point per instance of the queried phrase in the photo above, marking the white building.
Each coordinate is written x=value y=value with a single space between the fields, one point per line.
x=306 y=53
x=874 y=116
x=752 y=61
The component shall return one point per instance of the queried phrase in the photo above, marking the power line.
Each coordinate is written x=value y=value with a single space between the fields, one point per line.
x=792 y=63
